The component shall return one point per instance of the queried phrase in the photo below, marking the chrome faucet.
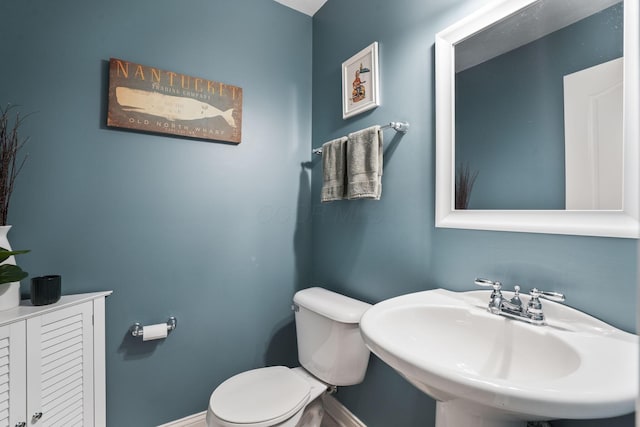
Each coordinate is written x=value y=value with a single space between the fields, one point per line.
x=514 y=308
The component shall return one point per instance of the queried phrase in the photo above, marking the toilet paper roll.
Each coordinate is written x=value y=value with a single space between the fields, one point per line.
x=154 y=332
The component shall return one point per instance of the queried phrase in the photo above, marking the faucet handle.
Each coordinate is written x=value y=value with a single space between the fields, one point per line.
x=553 y=296
x=496 y=296
x=488 y=284
x=534 y=307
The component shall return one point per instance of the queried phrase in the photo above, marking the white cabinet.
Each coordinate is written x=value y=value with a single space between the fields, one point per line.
x=13 y=385
x=52 y=363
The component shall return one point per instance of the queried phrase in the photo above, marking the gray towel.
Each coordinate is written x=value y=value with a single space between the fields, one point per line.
x=364 y=164
x=333 y=170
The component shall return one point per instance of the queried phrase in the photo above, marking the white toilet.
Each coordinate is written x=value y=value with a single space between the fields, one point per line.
x=331 y=352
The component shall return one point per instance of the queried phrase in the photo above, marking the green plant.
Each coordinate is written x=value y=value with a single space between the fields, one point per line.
x=10 y=144
x=8 y=272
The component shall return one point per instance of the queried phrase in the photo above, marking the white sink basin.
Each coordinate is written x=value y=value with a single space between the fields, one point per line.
x=487 y=370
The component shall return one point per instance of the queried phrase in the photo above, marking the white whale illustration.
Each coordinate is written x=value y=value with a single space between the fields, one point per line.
x=169 y=107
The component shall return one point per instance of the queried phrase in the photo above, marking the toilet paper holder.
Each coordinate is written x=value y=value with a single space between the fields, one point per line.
x=137 y=328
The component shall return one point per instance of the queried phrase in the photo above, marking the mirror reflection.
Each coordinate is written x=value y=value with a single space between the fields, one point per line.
x=538 y=110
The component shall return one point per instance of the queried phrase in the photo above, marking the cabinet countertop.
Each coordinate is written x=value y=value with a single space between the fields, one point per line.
x=26 y=310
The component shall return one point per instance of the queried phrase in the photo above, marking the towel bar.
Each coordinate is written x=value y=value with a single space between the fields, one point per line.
x=402 y=127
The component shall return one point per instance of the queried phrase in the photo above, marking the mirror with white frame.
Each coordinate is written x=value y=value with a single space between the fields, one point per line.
x=500 y=93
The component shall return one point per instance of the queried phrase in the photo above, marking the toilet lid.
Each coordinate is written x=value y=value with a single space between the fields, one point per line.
x=266 y=394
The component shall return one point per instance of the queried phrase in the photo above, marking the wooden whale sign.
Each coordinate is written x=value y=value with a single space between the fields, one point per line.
x=154 y=100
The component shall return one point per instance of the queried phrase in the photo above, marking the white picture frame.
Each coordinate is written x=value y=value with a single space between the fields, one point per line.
x=360 y=82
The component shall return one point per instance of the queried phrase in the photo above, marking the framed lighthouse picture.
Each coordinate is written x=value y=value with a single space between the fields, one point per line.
x=360 y=82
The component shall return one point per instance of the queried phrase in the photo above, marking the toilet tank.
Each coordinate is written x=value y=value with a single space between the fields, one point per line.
x=329 y=342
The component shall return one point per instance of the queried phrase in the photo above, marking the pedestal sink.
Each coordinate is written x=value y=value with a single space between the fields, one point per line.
x=486 y=370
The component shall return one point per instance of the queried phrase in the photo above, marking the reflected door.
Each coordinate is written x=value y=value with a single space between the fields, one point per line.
x=593 y=137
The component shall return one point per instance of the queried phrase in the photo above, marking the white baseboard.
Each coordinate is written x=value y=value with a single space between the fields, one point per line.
x=339 y=414
x=195 y=420
x=336 y=415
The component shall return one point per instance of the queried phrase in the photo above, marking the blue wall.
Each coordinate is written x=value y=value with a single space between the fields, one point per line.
x=521 y=160
x=215 y=234
x=376 y=250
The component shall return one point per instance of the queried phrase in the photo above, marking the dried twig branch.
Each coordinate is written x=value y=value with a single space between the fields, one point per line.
x=10 y=166
x=464 y=184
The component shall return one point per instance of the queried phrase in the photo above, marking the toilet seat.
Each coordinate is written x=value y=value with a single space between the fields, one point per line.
x=260 y=397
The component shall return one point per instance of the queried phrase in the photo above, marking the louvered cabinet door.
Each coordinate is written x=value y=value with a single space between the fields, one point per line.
x=60 y=368
x=13 y=386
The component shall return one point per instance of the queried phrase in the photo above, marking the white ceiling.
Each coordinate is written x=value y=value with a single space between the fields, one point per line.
x=531 y=23
x=308 y=7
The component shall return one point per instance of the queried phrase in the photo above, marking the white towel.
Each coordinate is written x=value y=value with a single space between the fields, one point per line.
x=364 y=164
x=333 y=170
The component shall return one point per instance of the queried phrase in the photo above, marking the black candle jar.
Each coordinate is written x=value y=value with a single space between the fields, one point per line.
x=46 y=289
